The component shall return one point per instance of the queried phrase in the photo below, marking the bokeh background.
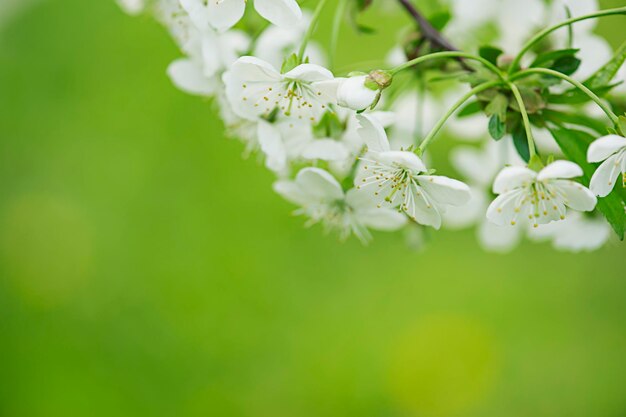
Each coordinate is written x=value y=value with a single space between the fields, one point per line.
x=146 y=269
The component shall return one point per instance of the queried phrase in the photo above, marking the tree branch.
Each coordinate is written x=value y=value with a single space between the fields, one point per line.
x=428 y=31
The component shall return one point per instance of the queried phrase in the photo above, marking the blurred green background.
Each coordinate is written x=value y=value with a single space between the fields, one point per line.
x=147 y=270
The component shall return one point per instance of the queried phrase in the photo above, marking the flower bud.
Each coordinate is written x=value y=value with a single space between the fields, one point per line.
x=354 y=94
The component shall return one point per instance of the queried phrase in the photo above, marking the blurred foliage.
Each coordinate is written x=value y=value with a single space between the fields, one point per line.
x=147 y=270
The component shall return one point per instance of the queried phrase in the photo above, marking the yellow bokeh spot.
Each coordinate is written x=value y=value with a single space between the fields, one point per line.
x=442 y=366
x=46 y=249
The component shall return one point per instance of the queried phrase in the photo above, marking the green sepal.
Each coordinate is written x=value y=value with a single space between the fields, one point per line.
x=289 y=63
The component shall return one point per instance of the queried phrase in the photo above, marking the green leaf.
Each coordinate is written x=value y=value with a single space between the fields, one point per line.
x=440 y=20
x=574 y=144
x=490 y=53
x=566 y=65
x=498 y=107
x=470 y=109
x=548 y=58
x=289 y=63
x=578 y=97
x=521 y=142
x=497 y=128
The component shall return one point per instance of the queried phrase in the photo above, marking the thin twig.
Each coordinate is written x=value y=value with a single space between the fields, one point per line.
x=428 y=31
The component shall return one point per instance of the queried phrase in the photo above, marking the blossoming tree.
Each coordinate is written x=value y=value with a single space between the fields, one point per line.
x=544 y=91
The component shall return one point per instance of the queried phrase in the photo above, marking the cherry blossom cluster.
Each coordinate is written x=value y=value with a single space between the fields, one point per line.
x=539 y=151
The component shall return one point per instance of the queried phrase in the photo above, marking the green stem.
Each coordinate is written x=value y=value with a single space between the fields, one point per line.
x=334 y=37
x=538 y=37
x=525 y=119
x=311 y=29
x=448 y=54
x=476 y=90
x=576 y=84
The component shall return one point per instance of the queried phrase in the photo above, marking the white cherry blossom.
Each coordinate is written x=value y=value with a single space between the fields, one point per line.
x=353 y=93
x=577 y=233
x=611 y=151
x=540 y=197
x=255 y=88
x=400 y=179
x=322 y=199
x=223 y=14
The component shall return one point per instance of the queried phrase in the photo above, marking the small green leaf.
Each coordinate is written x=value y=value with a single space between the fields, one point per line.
x=560 y=117
x=498 y=107
x=548 y=58
x=521 y=142
x=574 y=144
x=566 y=65
x=497 y=128
x=470 y=109
x=490 y=53
x=440 y=20
x=289 y=63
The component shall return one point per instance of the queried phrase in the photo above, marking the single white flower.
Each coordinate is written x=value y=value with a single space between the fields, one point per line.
x=322 y=199
x=612 y=150
x=223 y=14
x=541 y=197
x=400 y=179
x=255 y=88
x=577 y=233
x=353 y=93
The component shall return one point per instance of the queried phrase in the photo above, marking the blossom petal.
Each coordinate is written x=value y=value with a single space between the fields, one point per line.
x=605 y=177
x=255 y=70
x=188 y=76
x=403 y=158
x=422 y=210
x=560 y=169
x=383 y=218
x=279 y=12
x=319 y=183
x=326 y=150
x=445 y=190
x=577 y=196
x=604 y=147
x=353 y=94
x=500 y=239
x=309 y=73
x=291 y=192
x=507 y=208
x=225 y=13
x=272 y=146
x=513 y=177
x=372 y=133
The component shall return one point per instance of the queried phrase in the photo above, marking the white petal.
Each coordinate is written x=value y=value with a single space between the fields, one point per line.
x=279 y=12
x=404 y=159
x=326 y=150
x=513 y=177
x=319 y=183
x=423 y=211
x=605 y=177
x=309 y=73
x=578 y=197
x=372 y=133
x=272 y=146
x=188 y=76
x=604 y=147
x=251 y=69
x=501 y=239
x=382 y=218
x=353 y=94
x=291 y=192
x=445 y=190
x=198 y=12
x=225 y=13
x=508 y=208
x=560 y=169
x=460 y=217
